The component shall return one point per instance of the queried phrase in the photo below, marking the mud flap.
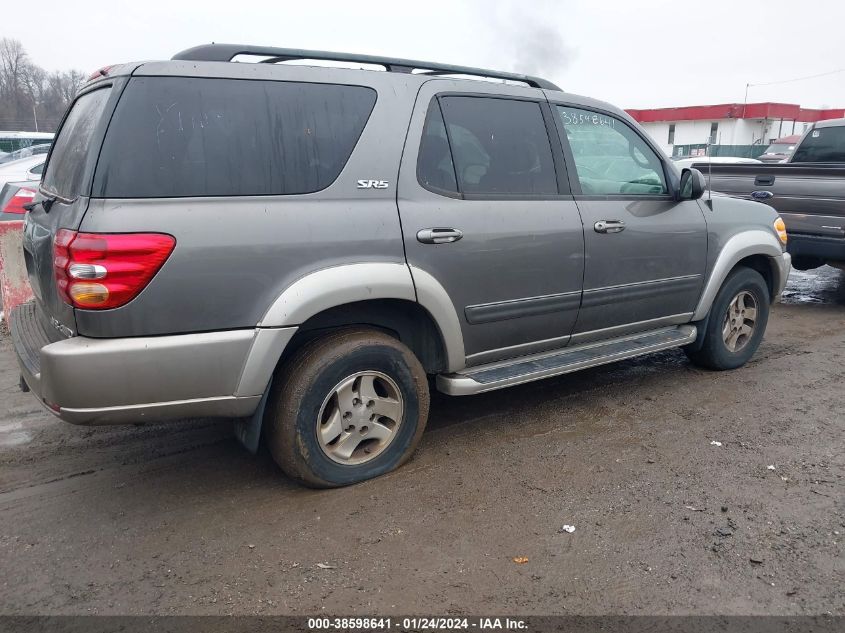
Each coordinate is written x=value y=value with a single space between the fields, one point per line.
x=701 y=328
x=248 y=430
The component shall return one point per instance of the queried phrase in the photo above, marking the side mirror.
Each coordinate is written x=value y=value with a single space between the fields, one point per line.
x=693 y=184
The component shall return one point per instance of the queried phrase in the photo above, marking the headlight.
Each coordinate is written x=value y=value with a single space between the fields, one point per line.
x=780 y=229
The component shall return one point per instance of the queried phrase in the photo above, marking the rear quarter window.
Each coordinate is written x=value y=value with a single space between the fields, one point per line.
x=65 y=175
x=180 y=137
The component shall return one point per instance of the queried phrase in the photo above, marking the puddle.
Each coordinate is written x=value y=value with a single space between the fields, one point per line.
x=15 y=439
x=11 y=434
x=825 y=285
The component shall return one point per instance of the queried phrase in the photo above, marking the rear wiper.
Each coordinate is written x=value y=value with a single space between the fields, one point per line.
x=46 y=202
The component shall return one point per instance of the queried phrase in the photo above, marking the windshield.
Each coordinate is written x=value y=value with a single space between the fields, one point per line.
x=779 y=148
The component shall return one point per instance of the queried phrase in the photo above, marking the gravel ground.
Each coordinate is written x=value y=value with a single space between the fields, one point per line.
x=178 y=519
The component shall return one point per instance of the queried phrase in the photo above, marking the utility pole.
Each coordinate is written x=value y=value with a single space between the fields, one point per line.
x=745 y=101
x=35 y=117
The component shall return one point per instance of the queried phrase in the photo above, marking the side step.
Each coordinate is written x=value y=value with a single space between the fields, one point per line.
x=527 y=368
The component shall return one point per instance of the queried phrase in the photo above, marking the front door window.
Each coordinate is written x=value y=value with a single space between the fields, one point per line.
x=610 y=158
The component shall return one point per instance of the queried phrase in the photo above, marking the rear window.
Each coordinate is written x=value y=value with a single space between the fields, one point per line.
x=779 y=149
x=176 y=136
x=822 y=145
x=66 y=171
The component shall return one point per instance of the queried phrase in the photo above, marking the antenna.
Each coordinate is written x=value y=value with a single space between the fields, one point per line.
x=710 y=173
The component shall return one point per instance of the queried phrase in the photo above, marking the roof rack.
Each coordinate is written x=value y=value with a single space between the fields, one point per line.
x=227 y=52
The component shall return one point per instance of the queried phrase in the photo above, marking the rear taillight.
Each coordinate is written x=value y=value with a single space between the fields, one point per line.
x=23 y=196
x=97 y=271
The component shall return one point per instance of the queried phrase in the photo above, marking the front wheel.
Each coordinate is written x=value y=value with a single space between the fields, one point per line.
x=347 y=407
x=738 y=319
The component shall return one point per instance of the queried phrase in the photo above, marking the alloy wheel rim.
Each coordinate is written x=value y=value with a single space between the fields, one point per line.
x=360 y=418
x=740 y=321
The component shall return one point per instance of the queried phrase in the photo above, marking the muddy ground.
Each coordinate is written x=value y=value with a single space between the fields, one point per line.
x=179 y=519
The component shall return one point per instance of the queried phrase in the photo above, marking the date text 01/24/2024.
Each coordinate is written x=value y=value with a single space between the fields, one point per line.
x=416 y=623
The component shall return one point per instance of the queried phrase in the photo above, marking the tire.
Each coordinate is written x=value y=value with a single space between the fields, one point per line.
x=357 y=382
x=720 y=336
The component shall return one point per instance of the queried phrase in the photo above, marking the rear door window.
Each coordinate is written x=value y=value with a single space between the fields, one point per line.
x=499 y=146
x=435 y=169
x=822 y=145
x=65 y=175
x=179 y=137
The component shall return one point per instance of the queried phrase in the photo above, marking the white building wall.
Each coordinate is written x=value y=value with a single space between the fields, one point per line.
x=729 y=132
x=689 y=132
x=659 y=132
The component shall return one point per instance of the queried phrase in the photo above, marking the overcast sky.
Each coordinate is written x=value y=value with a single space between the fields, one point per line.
x=635 y=54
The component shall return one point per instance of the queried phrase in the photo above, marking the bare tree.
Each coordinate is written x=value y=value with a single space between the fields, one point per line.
x=32 y=81
x=30 y=97
x=12 y=59
x=65 y=85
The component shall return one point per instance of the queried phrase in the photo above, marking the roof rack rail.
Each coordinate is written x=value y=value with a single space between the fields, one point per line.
x=227 y=52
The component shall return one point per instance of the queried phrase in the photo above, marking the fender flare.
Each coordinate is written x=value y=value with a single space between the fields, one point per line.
x=433 y=297
x=338 y=285
x=737 y=248
x=350 y=283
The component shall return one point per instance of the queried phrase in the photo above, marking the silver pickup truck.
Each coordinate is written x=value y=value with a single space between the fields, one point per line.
x=308 y=249
x=808 y=191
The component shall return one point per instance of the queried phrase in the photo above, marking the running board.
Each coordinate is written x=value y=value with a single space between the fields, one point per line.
x=527 y=368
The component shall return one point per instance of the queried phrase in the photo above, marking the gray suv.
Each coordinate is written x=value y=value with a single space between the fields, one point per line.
x=310 y=249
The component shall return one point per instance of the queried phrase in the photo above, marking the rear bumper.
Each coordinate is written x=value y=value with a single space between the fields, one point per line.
x=820 y=246
x=146 y=379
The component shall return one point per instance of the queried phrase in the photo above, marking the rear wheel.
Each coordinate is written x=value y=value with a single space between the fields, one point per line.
x=347 y=407
x=738 y=319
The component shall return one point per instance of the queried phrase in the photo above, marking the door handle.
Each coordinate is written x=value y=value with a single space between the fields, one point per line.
x=438 y=236
x=609 y=226
x=764 y=181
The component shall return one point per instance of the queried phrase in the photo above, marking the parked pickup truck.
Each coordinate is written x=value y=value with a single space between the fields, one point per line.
x=323 y=241
x=808 y=191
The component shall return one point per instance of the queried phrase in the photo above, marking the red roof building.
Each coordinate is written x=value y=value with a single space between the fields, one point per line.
x=728 y=123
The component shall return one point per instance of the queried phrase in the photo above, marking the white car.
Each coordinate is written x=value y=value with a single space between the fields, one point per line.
x=28 y=168
x=24 y=152
x=689 y=162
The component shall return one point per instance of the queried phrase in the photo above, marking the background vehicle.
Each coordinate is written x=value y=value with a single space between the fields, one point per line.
x=780 y=150
x=29 y=168
x=32 y=150
x=12 y=198
x=808 y=191
x=13 y=141
x=680 y=163
x=249 y=250
x=13 y=195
